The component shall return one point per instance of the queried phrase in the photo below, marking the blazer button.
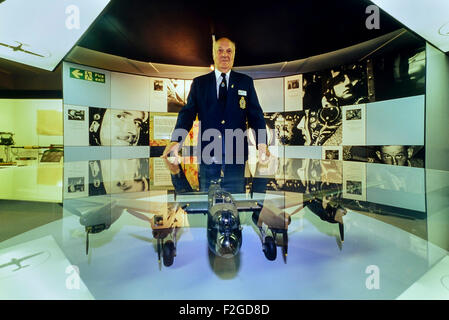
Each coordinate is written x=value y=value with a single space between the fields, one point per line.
x=222 y=122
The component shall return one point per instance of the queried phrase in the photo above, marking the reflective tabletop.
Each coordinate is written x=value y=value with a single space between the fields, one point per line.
x=308 y=229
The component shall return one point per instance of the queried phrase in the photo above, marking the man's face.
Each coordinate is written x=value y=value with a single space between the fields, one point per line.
x=395 y=155
x=126 y=176
x=302 y=126
x=284 y=130
x=343 y=88
x=123 y=128
x=224 y=55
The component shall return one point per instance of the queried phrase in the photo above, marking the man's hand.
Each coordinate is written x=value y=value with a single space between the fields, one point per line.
x=172 y=147
x=264 y=153
x=172 y=166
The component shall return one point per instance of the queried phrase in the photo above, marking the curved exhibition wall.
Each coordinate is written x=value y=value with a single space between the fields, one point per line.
x=354 y=119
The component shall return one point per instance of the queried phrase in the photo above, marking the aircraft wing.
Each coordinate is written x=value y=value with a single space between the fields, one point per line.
x=6 y=264
x=30 y=256
x=33 y=53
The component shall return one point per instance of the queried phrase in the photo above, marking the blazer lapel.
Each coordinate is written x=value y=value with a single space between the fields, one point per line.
x=212 y=90
x=231 y=90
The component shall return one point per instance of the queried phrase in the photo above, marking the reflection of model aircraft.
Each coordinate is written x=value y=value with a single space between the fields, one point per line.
x=269 y=241
x=18 y=262
x=19 y=47
x=97 y=218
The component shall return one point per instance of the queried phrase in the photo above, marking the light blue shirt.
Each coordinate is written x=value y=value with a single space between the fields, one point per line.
x=219 y=78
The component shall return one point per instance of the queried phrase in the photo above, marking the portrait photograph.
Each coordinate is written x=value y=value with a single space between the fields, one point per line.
x=115 y=176
x=158 y=85
x=325 y=93
x=112 y=127
x=408 y=156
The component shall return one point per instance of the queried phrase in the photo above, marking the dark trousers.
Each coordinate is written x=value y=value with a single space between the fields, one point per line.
x=232 y=176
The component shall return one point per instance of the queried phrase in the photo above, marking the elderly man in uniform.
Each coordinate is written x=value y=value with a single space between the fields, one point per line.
x=226 y=103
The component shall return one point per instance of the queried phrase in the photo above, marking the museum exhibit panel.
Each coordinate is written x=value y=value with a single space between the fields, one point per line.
x=351 y=202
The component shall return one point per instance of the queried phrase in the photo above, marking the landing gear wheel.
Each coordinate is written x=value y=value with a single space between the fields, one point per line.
x=269 y=248
x=168 y=253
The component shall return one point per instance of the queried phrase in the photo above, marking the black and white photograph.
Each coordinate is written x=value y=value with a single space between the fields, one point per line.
x=175 y=95
x=400 y=74
x=293 y=84
x=75 y=184
x=322 y=127
x=114 y=176
x=354 y=114
x=359 y=153
x=408 y=156
x=112 y=127
x=76 y=125
x=354 y=187
x=286 y=128
x=325 y=93
x=293 y=93
x=77 y=115
x=332 y=154
x=158 y=85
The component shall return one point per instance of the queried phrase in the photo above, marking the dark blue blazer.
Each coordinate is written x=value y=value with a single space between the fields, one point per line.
x=242 y=109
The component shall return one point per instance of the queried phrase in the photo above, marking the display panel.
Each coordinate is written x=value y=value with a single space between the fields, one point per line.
x=168 y=95
x=293 y=93
x=40 y=33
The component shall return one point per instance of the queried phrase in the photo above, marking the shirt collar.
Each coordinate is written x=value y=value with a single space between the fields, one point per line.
x=218 y=74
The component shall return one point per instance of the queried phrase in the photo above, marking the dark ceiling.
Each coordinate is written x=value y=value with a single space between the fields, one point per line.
x=180 y=32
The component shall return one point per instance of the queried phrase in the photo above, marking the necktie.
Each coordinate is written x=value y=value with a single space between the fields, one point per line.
x=223 y=91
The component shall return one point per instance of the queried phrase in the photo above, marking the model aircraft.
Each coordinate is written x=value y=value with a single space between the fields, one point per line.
x=18 y=262
x=164 y=231
x=19 y=47
x=223 y=223
x=224 y=231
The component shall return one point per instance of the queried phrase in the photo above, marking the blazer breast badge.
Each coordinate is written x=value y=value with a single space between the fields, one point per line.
x=242 y=103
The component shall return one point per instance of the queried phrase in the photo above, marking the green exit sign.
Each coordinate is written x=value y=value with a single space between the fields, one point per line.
x=81 y=74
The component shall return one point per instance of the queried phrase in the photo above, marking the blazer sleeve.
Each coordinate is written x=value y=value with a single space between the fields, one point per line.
x=256 y=120
x=187 y=115
x=180 y=182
